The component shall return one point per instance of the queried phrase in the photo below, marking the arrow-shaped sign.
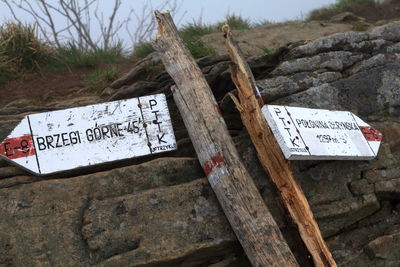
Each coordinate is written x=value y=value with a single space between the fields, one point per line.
x=312 y=134
x=67 y=139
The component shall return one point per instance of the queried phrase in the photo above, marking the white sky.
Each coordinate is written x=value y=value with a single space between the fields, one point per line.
x=210 y=11
x=271 y=10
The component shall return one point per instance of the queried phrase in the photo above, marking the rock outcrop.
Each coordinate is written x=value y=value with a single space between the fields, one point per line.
x=160 y=211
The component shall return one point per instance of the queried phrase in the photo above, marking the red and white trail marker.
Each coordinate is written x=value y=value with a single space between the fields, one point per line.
x=319 y=134
x=66 y=139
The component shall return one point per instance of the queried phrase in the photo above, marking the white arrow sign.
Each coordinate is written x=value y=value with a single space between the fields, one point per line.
x=312 y=134
x=67 y=139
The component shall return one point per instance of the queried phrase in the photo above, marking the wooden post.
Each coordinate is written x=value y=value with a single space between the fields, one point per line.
x=234 y=188
x=271 y=156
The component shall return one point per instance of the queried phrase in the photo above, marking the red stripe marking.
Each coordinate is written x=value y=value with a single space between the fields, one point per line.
x=213 y=163
x=370 y=133
x=17 y=147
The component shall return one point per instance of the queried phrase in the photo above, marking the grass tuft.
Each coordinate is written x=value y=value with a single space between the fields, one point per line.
x=100 y=78
x=191 y=34
x=142 y=50
x=72 y=56
x=236 y=22
x=21 y=50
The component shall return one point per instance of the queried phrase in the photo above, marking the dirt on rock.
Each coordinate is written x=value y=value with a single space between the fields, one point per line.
x=372 y=13
x=264 y=39
x=48 y=87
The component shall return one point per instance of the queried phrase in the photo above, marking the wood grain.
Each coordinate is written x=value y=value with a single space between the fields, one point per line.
x=271 y=156
x=239 y=198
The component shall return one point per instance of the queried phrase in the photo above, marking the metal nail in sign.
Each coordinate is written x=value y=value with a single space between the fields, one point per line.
x=67 y=139
x=319 y=134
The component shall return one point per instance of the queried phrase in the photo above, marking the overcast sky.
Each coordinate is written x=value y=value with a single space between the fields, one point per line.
x=272 y=10
x=210 y=11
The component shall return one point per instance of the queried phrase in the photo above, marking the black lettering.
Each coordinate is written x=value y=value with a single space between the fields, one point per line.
x=97 y=133
x=79 y=137
x=49 y=140
x=156 y=120
x=287 y=129
x=58 y=140
x=119 y=129
x=65 y=139
x=104 y=131
x=89 y=135
x=152 y=103
x=160 y=138
x=298 y=122
x=294 y=142
x=132 y=127
x=277 y=111
x=135 y=128
x=114 y=131
x=7 y=149
x=40 y=142
x=72 y=137
x=283 y=121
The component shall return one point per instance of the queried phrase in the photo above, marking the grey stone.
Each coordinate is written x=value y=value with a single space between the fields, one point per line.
x=158 y=226
x=137 y=89
x=361 y=187
x=333 y=61
x=277 y=87
x=390 y=32
x=334 y=217
x=378 y=175
x=389 y=189
x=328 y=43
x=382 y=246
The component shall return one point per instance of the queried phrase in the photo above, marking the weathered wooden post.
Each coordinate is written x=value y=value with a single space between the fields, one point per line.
x=234 y=188
x=270 y=155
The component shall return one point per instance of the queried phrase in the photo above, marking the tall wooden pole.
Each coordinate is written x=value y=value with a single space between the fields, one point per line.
x=250 y=219
x=271 y=156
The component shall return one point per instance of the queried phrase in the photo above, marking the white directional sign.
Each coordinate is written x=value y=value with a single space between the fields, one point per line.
x=311 y=134
x=67 y=139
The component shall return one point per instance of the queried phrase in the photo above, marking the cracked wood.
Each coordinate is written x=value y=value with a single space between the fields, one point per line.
x=270 y=155
x=242 y=204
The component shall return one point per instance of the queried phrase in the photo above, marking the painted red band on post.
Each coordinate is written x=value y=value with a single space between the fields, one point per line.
x=213 y=163
x=370 y=133
x=17 y=147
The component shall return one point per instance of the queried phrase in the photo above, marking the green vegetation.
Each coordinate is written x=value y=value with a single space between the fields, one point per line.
x=191 y=34
x=21 y=50
x=72 y=56
x=100 y=78
x=142 y=50
x=236 y=22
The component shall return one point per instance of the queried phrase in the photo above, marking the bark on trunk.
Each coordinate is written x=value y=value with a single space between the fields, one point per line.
x=271 y=156
x=234 y=188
